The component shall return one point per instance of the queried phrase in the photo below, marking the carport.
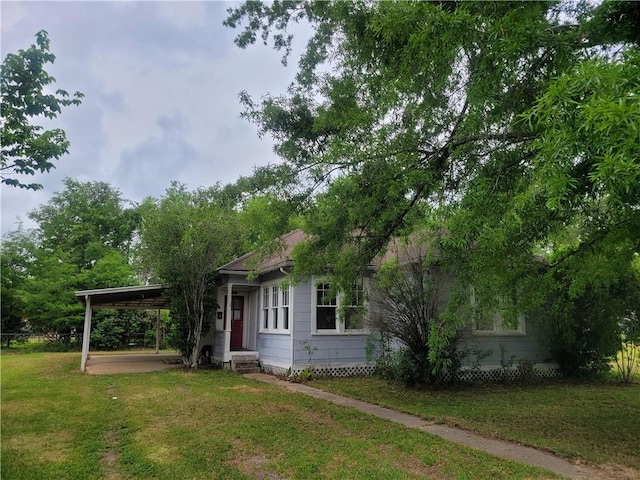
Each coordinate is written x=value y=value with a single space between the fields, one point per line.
x=149 y=297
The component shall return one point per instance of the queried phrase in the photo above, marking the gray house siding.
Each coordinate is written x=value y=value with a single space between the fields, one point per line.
x=275 y=349
x=218 y=344
x=529 y=346
x=321 y=350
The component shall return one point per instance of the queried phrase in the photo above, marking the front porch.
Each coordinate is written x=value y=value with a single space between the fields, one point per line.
x=233 y=340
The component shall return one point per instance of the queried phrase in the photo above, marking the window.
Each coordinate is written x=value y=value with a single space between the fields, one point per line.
x=326 y=306
x=285 y=308
x=265 y=308
x=275 y=309
x=344 y=313
x=354 y=309
x=275 y=291
x=487 y=321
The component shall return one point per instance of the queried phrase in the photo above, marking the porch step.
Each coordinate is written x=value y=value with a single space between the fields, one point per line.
x=244 y=358
x=246 y=366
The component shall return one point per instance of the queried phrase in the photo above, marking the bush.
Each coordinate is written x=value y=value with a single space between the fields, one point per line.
x=627 y=360
x=410 y=309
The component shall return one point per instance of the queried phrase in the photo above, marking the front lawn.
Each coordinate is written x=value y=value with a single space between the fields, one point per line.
x=599 y=423
x=58 y=423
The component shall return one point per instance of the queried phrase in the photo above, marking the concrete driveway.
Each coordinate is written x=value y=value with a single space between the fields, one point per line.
x=106 y=364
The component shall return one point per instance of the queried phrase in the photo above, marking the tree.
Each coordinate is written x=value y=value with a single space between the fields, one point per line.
x=422 y=96
x=16 y=249
x=265 y=217
x=508 y=128
x=51 y=306
x=185 y=237
x=27 y=148
x=87 y=220
x=82 y=242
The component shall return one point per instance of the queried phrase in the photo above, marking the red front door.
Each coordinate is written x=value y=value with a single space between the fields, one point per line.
x=237 y=321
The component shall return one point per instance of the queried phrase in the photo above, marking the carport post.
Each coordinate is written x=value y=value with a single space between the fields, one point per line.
x=86 y=335
x=158 y=332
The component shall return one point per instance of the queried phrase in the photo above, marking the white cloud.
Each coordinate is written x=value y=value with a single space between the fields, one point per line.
x=161 y=83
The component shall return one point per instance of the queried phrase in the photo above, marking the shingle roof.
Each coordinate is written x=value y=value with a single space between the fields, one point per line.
x=252 y=262
x=405 y=251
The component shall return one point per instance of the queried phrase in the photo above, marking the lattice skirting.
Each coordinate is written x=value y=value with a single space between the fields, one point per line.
x=273 y=370
x=509 y=374
x=468 y=375
x=322 y=370
x=339 y=370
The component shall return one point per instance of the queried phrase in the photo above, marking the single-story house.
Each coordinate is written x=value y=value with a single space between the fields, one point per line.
x=287 y=328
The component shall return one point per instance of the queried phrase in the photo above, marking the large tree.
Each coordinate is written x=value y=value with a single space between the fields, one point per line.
x=87 y=220
x=82 y=242
x=28 y=148
x=508 y=129
x=51 y=306
x=185 y=237
x=420 y=97
x=16 y=251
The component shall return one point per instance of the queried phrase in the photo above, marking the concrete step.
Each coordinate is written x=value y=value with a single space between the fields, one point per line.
x=243 y=358
x=246 y=366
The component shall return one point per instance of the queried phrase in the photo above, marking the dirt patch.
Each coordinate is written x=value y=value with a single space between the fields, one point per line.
x=409 y=463
x=255 y=466
x=610 y=471
x=243 y=389
x=110 y=457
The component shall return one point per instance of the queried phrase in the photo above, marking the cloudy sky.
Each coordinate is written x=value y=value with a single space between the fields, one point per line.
x=161 y=83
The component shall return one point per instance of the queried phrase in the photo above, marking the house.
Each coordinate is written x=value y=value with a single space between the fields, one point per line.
x=287 y=328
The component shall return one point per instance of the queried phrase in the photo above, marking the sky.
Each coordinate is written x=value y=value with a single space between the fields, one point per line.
x=161 y=83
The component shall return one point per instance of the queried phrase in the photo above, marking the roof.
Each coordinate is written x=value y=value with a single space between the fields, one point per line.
x=406 y=250
x=415 y=248
x=253 y=262
x=139 y=297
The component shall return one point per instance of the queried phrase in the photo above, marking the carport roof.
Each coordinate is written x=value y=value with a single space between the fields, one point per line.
x=142 y=297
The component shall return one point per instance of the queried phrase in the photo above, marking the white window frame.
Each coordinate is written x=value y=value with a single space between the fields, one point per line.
x=340 y=322
x=275 y=297
x=285 y=307
x=264 y=308
x=499 y=328
x=273 y=309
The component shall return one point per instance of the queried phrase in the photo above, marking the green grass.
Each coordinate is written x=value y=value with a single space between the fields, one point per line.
x=599 y=423
x=58 y=423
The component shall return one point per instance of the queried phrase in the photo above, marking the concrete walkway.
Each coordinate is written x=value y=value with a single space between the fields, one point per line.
x=499 y=448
